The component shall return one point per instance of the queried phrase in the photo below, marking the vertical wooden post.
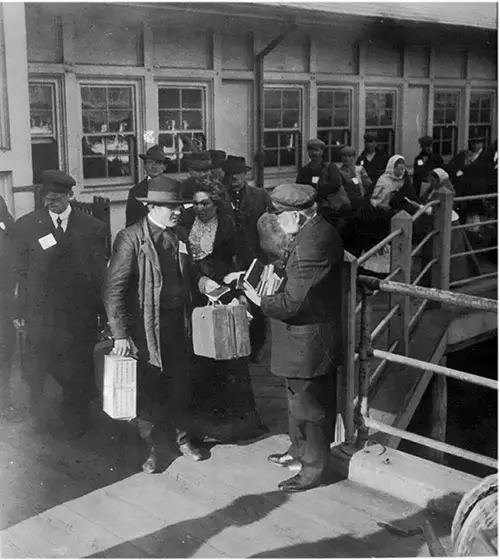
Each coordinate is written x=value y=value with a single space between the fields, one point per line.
x=401 y=248
x=439 y=412
x=363 y=408
x=346 y=376
x=442 y=241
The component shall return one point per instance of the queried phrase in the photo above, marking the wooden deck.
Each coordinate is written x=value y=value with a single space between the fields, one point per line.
x=83 y=497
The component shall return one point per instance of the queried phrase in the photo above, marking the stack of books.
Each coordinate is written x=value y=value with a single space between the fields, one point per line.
x=266 y=280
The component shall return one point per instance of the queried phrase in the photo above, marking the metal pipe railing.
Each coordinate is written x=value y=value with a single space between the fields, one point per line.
x=424 y=209
x=471 y=225
x=377 y=331
x=380 y=245
x=430 y=235
x=473 y=252
x=424 y=271
x=465 y=281
x=416 y=317
x=474 y=197
x=377 y=372
x=432 y=443
x=435 y=368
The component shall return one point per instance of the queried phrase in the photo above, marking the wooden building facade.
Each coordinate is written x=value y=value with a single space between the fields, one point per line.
x=87 y=87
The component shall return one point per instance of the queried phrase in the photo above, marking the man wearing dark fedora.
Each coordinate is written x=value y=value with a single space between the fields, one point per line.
x=61 y=260
x=246 y=205
x=425 y=161
x=155 y=164
x=218 y=158
x=201 y=171
x=147 y=295
x=373 y=159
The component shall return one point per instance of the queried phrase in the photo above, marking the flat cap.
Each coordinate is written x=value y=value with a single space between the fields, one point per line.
x=370 y=137
x=315 y=143
x=347 y=151
x=425 y=140
x=54 y=180
x=291 y=196
x=200 y=161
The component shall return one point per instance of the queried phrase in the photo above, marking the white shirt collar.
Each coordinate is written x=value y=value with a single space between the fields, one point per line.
x=64 y=217
x=161 y=226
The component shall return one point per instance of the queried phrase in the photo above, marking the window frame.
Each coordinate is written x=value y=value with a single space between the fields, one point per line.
x=288 y=169
x=207 y=89
x=437 y=143
x=136 y=92
x=396 y=116
x=489 y=125
x=350 y=128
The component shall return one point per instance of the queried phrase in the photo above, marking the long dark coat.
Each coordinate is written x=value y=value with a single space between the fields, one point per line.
x=375 y=167
x=135 y=209
x=59 y=293
x=305 y=317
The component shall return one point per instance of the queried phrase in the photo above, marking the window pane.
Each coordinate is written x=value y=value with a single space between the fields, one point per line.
x=485 y=115
x=271 y=158
x=342 y=99
x=94 y=121
x=386 y=118
x=324 y=118
x=192 y=99
x=272 y=118
x=169 y=98
x=40 y=97
x=270 y=139
x=192 y=120
x=290 y=118
x=287 y=156
x=371 y=119
x=118 y=149
x=120 y=121
x=272 y=98
x=120 y=97
x=93 y=97
x=325 y=99
x=291 y=99
x=341 y=118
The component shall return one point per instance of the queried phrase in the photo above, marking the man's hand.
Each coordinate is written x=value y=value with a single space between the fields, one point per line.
x=252 y=295
x=122 y=347
x=206 y=285
x=232 y=276
x=19 y=323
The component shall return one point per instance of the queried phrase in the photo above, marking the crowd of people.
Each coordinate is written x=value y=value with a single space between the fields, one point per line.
x=182 y=241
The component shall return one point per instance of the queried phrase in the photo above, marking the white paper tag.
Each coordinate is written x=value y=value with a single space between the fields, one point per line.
x=315 y=180
x=454 y=216
x=420 y=162
x=2 y=225
x=182 y=248
x=47 y=241
x=186 y=206
x=460 y=173
x=362 y=162
x=355 y=180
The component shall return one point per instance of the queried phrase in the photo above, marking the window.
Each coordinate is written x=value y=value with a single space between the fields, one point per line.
x=43 y=128
x=109 y=132
x=380 y=115
x=445 y=129
x=481 y=116
x=183 y=123
x=282 y=128
x=334 y=120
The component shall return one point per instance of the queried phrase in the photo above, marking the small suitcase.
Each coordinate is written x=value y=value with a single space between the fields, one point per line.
x=221 y=332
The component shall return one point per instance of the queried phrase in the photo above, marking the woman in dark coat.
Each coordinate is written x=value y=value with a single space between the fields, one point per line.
x=223 y=405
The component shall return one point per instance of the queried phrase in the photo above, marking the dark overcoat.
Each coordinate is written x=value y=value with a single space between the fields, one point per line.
x=59 y=292
x=135 y=209
x=306 y=316
x=375 y=167
x=423 y=164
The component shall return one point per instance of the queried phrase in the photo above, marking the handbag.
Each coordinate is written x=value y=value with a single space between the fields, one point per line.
x=221 y=332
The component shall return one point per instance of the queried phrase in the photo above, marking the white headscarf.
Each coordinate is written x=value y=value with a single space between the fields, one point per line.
x=387 y=184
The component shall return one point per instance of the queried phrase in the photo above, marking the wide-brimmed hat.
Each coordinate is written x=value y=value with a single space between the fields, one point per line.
x=155 y=153
x=163 y=191
x=198 y=161
x=218 y=156
x=235 y=164
x=54 y=180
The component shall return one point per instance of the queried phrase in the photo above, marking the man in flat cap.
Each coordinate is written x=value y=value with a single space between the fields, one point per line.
x=372 y=159
x=155 y=164
x=424 y=163
x=61 y=259
x=147 y=295
x=246 y=206
x=306 y=333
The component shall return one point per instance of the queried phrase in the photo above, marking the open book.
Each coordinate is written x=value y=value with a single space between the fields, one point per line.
x=266 y=280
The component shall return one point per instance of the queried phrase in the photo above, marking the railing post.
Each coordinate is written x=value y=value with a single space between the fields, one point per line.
x=347 y=374
x=441 y=249
x=401 y=248
x=365 y=349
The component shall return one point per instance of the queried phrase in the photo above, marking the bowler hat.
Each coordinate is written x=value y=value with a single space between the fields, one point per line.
x=315 y=144
x=54 y=180
x=291 y=196
x=218 y=156
x=199 y=161
x=164 y=190
x=235 y=164
x=155 y=153
x=425 y=141
x=347 y=151
x=370 y=137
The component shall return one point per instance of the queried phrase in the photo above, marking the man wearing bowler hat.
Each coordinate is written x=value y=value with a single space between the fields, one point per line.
x=372 y=159
x=424 y=163
x=147 y=295
x=246 y=206
x=155 y=164
x=61 y=259
x=306 y=333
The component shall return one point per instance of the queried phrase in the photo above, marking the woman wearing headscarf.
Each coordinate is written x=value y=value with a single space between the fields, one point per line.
x=392 y=193
x=223 y=404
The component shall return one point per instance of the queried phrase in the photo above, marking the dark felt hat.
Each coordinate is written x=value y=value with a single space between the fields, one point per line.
x=425 y=141
x=218 y=156
x=235 y=164
x=164 y=190
x=315 y=144
x=155 y=153
x=54 y=180
x=291 y=196
x=347 y=151
x=370 y=137
x=198 y=161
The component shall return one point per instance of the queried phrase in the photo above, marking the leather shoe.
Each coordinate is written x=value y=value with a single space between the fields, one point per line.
x=282 y=459
x=298 y=484
x=149 y=465
x=189 y=451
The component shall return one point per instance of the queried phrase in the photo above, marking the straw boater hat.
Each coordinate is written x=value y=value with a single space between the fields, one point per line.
x=163 y=191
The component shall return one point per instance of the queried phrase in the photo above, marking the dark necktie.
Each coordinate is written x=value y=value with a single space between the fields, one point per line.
x=59 y=229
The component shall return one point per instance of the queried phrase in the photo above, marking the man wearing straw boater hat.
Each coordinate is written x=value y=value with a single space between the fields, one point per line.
x=155 y=164
x=147 y=294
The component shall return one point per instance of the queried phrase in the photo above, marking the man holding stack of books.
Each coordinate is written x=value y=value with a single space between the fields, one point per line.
x=306 y=332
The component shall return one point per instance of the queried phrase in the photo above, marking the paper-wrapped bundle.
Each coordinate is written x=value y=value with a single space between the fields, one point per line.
x=221 y=332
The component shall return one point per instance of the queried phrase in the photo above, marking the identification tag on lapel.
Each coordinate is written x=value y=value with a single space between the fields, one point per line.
x=355 y=180
x=420 y=162
x=2 y=225
x=182 y=248
x=460 y=173
x=315 y=180
x=47 y=241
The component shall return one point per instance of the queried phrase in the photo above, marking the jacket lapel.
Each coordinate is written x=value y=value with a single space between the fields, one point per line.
x=147 y=246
